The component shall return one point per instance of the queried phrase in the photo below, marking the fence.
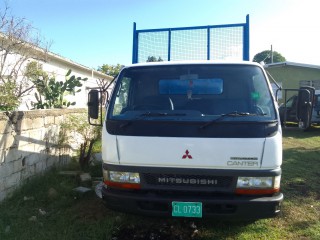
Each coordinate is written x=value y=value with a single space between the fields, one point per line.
x=217 y=42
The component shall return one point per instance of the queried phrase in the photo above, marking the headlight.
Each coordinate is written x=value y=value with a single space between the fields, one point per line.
x=121 y=179
x=124 y=177
x=258 y=185
x=255 y=182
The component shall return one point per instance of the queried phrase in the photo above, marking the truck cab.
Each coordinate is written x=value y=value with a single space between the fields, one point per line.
x=192 y=139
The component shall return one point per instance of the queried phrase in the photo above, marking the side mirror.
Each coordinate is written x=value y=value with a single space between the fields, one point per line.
x=93 y=104
x=304 y=106
x=95 y=100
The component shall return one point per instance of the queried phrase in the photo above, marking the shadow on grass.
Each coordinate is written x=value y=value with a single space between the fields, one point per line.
x=142 y=228
x=294 y=131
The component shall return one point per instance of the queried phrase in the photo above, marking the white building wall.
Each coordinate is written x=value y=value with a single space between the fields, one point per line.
x=58 y=67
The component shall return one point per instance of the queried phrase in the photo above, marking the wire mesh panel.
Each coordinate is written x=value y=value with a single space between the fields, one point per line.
x=153 y=44
x=226 y=43
x=188 y=45
x=218 y=42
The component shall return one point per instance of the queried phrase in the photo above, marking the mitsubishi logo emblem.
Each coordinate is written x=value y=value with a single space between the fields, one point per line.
x=187 y=155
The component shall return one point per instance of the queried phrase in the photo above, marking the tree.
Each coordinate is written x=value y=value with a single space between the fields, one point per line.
x=75 y=125
x=265 y=57
x=154 y=59
x=111 y=70
x=19 y=42
x=52 y=93
x=34 y=71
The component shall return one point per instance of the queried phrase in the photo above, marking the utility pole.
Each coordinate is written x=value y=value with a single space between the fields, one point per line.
x=271 y=54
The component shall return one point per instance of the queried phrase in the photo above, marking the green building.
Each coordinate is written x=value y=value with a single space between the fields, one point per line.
x=293 y=76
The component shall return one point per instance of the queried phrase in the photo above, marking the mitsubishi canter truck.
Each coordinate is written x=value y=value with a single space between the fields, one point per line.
x=192 y=139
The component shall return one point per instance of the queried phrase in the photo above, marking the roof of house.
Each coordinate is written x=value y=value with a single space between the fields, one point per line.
x=293 y=64
x=65 y=61
x=94 y=73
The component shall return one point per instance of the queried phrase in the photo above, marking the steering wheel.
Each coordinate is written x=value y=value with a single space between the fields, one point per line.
x=259 y=110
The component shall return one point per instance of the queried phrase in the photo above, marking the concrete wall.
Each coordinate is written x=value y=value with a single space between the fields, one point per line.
x=29 y=144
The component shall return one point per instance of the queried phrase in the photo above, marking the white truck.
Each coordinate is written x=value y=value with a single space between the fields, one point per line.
x=192 y=139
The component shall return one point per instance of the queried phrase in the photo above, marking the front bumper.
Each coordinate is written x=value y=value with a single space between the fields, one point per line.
x=158 y=203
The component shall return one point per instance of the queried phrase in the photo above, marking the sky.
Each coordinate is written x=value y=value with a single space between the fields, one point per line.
x=97 y=32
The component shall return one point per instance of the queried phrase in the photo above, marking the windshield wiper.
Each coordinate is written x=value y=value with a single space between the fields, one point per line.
x=161 y=114
x=151 y=114
x=231 y=114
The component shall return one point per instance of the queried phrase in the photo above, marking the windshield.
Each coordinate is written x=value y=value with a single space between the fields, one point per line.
x=192 y=93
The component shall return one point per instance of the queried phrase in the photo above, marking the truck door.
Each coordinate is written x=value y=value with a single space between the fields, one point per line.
x=316 y=108
x=305 y=105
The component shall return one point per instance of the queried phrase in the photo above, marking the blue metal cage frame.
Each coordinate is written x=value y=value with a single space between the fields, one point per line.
x=245 y=40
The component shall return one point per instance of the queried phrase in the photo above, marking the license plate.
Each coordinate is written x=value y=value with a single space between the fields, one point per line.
x=187 y=209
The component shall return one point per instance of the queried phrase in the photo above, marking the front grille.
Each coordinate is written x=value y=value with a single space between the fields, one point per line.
x=182 y=180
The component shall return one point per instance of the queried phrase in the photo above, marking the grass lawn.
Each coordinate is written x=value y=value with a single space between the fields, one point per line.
x=47 y=208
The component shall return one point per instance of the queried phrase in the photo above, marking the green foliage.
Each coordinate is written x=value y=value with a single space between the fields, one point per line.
x=111 y=70
x=77 y=124
x=154 y=59
x=34 y=71
x=19 y=43
x=265 y=56
x=52 y=92
x=8 y=100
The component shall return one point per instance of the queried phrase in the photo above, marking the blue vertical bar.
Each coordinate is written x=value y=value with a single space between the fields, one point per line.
x=208 y=43
x=246 y=40
x=169 y=45
x=135 y=44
